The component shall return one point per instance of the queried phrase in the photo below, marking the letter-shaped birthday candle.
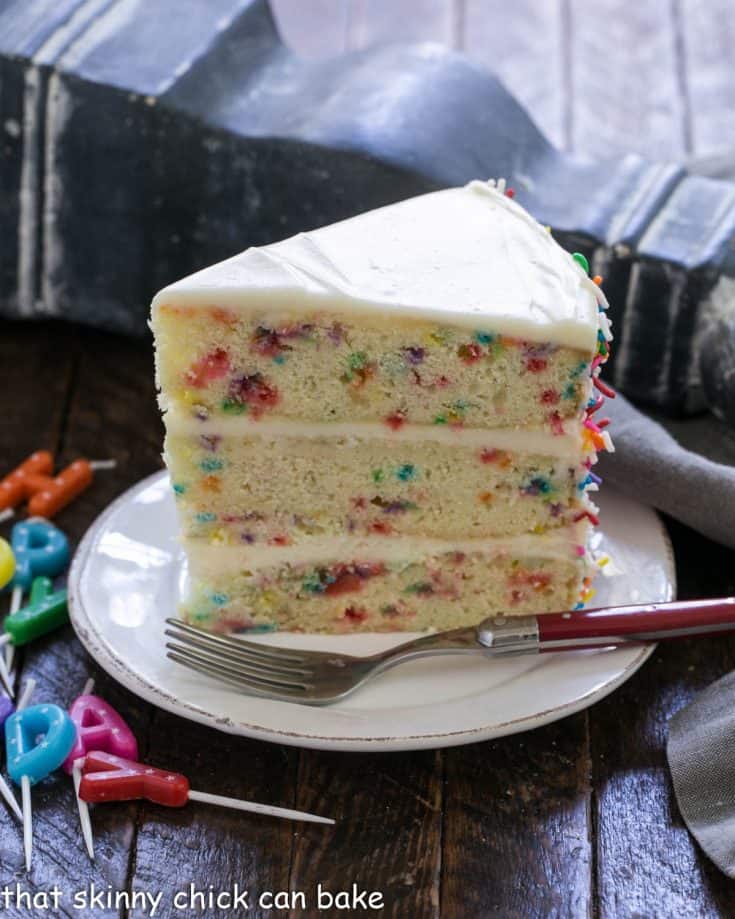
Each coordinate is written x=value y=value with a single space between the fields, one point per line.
x=37 y=741
x=102 y=729
x=40 y=548
x=14 y=487
x=62 y=489
x=112 y=778
x=6 y=710
x=47 y=494
x=99 y=728
x=7 y=563
x=46 y=610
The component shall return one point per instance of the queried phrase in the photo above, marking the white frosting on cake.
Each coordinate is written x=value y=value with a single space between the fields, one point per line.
x=468 y=256
x=518 y=440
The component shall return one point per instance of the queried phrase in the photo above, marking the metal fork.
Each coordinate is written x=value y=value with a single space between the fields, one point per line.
x=322 y=677
x=293 y=675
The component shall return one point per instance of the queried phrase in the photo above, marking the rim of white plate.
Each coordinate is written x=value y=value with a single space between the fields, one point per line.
x=115 y=666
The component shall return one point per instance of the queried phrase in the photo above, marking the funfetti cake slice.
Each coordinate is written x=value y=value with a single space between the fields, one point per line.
x=385 y=424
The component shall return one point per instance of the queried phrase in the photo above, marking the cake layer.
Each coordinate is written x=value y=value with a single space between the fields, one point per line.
x=302 y=365
x=370 y=592
x=248 y=490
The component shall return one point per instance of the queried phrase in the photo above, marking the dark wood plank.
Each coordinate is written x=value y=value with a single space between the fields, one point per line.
x=378 y=21
x=524 y=44
x=315 y=29
x=388 y=833
x=38 y=362
x=648 y=864
x=625 y=92
x=707 y=38
x=517 y=826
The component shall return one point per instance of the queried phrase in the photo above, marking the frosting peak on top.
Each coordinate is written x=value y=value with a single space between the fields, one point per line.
x=467 y=256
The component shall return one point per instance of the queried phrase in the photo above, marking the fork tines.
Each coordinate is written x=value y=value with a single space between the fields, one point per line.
x=256 y=668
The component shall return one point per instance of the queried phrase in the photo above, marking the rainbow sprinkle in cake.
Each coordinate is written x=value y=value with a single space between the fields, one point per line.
x=386 y=424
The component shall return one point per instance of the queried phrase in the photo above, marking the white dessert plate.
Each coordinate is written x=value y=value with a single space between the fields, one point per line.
x=126 y=577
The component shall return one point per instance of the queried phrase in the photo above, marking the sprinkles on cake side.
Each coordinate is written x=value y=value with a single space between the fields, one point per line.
x=388 y=423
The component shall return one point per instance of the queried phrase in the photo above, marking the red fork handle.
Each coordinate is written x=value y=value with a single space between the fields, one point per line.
x=637 y=623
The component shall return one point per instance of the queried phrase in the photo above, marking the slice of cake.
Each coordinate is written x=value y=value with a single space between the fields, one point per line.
x=385 y=424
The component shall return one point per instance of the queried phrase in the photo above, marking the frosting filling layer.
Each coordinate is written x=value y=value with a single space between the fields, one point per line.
x=568 y=443
x=559 y=544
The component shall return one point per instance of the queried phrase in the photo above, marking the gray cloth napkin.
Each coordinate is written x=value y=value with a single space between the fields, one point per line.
x=701 y=751
x=686 y=469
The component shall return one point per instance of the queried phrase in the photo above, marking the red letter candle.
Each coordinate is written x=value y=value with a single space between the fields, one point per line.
x=112 y=778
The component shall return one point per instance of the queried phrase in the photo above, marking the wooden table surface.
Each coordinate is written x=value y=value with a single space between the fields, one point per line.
x=574 y=819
